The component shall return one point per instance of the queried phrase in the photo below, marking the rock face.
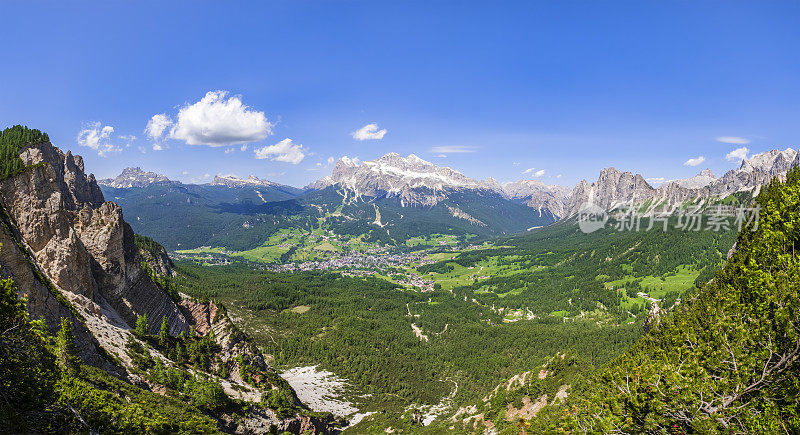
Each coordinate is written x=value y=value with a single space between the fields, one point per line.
x=702 y=179
x=538 y=195
x=614 y=188
x=81 y=243
x=133 y=177
x=234 y=181
x=72 y=255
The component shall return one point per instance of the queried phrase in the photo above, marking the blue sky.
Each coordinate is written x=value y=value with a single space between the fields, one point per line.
x=567 y=87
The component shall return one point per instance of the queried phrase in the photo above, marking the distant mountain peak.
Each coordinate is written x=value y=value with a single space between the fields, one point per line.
x=415 y=180
x=707 y=173
x=134 y=177
x=703 y=179
x=234 y=181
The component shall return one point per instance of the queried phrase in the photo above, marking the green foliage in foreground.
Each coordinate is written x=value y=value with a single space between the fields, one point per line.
x=728 y=360
x=40 y=396
x=11 y=139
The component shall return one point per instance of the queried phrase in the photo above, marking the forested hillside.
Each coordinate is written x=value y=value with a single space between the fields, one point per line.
x=727 y=360
x=561 y=269
x=242 y=218
x=362 y=330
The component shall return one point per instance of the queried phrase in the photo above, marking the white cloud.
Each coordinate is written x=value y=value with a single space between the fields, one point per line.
x=244 y=148
x=284 y=151
x=517 y=163
x=97 y=137
x=737 y=154
x=733 y=139
x=694 y=162
x=539 y=173
x=558 y=176
x=330 y=161
x=157 y=125
x=441 y=156
x=157 y=147
x=185 y=172
x=229 y=150
x=453 y=149
x=368 y=132
x=218 y=120
x=528 y=171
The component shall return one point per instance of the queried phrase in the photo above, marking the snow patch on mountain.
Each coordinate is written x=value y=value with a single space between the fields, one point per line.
x=234 y=181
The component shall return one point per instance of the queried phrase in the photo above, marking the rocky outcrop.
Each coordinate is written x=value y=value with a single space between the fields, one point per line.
x=538 y=195
x=207 y=317
x=82 y=243
x=612 y=187
x=43 y=300
x=158 y=260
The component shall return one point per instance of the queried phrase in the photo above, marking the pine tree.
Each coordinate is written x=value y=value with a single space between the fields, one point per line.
x=163 y=336
x=141 y=329
x=66 y=351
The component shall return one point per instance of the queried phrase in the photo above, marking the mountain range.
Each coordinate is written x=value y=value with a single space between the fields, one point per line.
x=413 y=182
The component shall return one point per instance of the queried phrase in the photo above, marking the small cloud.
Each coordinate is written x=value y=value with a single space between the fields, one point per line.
x=158 y=147
x=330 y=161
x=283 y=151
x=539 y=173
x=441 y=156
x=528 y=171
x=453 y=149
x=517 y=163
x=733 y=139
x=558 y=176
x=695 y=161
x=219 y=120
x=738 y=154
x=229 y=150
x=97 y=137
x=368 y=132
x=185 y=173
x=244 y=148
x=157 y=125
x=129 y=138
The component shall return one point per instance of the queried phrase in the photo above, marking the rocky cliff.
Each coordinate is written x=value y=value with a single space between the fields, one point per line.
x=72 y=255
x=82 y=243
